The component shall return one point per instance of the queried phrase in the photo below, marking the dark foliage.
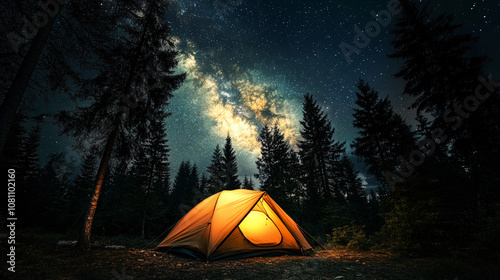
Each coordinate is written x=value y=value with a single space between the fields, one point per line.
x=277 y=173
x=230 y=166
x=319 y=155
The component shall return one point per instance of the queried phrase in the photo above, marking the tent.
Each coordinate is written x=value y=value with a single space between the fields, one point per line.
x=235 y=224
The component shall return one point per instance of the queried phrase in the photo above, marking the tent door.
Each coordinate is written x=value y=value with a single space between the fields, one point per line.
x=260 y=230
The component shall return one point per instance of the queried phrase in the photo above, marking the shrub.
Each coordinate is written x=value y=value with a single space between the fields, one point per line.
x=413 y=228
x=351 y=236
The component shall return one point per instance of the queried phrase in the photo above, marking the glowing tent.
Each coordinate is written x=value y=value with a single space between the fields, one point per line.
x=235 y=224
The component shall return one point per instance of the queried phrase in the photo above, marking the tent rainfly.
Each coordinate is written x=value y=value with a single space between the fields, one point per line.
x=235 y=224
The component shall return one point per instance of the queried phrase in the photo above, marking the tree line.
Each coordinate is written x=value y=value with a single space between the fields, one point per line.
x=437 y=181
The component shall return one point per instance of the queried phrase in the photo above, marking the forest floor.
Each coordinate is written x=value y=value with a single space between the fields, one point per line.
x=51 y=262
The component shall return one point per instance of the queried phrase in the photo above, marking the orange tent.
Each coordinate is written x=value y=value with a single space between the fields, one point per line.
x=235 y=224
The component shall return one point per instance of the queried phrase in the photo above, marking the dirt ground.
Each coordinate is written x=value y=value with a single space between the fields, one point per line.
x=45 y=262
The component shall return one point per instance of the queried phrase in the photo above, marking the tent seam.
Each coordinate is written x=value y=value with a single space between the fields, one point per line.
x=238 y=224
x=291 y=232
x=210 y=223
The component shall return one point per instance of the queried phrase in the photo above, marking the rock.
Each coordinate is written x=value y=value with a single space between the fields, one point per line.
x=66 y=243
x=359 y=275
x=114 y=247
x=339 y=277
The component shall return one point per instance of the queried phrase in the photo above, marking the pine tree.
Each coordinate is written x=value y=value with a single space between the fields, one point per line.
x=349 y=205
x=318 y=152
x=441 y=73
x=183 y=190
x=117 y=200
x=274 y=165
x=265 y=161
x=230 y=166
x=30 y=158
x=155 y=159
x=194 y=177
x=29 y=171
x=424 y=126
x=204 y=184
x=352 y=186
x=150 y=174
x=11 y=158
x=294 y=185
x=216 y=172
x=436 y=68
x=384 y=139
x=248 y=183
x=48 y=197
x=383 y=134
x=79 y=193
x=159 y=195
x=375 y=221
x=125 y=97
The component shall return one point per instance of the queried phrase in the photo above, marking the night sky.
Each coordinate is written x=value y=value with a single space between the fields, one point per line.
x=250 y=63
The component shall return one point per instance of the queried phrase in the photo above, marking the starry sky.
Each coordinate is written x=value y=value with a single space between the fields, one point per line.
x=249 y=63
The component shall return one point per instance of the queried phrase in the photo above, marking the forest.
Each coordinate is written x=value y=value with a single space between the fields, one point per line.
x=438 y=174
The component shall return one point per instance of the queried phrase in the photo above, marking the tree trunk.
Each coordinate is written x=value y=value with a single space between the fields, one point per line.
x=16 y=90
x=84 y=242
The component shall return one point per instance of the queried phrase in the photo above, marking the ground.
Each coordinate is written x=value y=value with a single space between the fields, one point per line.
x=52 y=262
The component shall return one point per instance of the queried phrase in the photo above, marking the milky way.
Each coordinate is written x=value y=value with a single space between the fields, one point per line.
x=216 y=104
x=236 y=105
x=249 y=63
